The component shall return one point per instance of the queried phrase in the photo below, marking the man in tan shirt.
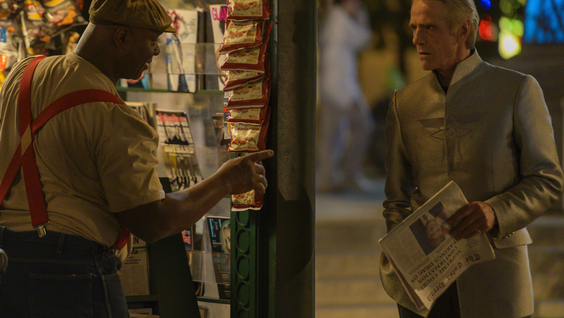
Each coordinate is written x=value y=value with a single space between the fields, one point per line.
x=97 y=170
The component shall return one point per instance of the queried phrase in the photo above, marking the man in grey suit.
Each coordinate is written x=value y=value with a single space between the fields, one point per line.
x=489 y=130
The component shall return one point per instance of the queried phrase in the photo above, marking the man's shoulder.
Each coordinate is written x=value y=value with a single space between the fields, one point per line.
x=418 y=86
x=492 y=69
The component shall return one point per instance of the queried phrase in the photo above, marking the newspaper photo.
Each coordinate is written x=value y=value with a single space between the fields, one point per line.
x=425 y=257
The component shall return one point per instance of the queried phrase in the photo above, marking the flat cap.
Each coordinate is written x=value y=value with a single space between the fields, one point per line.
x=146 y=14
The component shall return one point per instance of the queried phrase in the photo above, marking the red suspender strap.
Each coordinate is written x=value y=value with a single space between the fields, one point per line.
x=29 y=167
x=24 y=156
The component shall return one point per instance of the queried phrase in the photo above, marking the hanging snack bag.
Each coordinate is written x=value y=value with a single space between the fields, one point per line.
x=248 y=9
x=247 y=60
x=241 y=34
x=252 y=59
x=236 y=79
x=248 y=137
x=255 y=115
x=252 y=95
x=251 y=200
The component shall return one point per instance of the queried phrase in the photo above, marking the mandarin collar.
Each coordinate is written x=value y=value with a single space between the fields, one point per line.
x=466 y=67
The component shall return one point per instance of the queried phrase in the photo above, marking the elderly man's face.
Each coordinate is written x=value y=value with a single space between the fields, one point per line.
x=436 y=44
x=143 y=48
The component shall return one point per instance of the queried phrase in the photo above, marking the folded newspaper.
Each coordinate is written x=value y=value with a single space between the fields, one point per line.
x=426 y=258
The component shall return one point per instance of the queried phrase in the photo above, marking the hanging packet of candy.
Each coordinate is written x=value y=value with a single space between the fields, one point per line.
x=34 y=11
x=64 y=13
x=241 y=35
x=37 y=34
x=252 y=59
x=248 y=9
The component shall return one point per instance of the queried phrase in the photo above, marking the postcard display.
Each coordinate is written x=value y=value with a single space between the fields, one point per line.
x=200 y=131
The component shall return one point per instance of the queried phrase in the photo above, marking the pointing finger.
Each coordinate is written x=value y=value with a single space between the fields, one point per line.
x=260 y=155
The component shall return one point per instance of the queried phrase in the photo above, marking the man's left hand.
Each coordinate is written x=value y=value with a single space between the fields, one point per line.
x=472 y=219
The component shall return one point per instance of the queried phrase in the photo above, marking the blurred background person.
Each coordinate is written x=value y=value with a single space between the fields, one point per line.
x=345 y=118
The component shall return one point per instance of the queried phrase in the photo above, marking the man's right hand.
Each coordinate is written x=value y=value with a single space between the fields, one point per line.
x=245 y=173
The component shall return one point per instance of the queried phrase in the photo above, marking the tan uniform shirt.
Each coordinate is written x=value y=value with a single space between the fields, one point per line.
x=94 y=159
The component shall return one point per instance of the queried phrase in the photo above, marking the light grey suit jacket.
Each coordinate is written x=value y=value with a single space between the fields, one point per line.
x=491 y=133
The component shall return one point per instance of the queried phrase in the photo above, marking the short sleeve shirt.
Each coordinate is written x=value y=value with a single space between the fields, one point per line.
x=94 y=159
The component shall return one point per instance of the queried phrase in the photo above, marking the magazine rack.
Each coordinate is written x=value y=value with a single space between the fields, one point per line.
x=172 y=289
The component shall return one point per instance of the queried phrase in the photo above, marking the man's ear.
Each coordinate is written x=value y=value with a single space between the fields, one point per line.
x=121 y=35
x=464 y=31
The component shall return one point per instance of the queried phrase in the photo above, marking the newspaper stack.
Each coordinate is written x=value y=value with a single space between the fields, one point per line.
x=426 y=258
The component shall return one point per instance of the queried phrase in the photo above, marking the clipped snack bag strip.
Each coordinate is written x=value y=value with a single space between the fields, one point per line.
x=248 y=9
x=253 y=59
x=241 y=34
x=251 y=200
x=255 y=115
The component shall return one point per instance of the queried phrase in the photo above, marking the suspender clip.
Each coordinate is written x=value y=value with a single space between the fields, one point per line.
x=42 y=229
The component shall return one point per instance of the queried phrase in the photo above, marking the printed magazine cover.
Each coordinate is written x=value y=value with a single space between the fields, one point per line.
x=220 y=239
x=177 y=146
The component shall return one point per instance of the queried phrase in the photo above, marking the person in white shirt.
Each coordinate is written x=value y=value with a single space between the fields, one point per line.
x=346 y=121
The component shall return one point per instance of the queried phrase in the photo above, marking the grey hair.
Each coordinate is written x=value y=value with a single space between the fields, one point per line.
x=460 y=10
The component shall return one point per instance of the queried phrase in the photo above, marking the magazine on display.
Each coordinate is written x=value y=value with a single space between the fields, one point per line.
x=218 y=15
x=426 y=258
x=178 y=149
x=181 y=51
x=220 y=238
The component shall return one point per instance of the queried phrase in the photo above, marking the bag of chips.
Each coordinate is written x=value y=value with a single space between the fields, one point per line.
x=241 y=34
x=251 y=200
x=255 y=115
x=236 y=79
x=252 y=95
x=249 y=137
x=248 y=9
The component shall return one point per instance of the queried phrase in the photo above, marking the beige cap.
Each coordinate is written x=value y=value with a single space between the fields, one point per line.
x=147 y=14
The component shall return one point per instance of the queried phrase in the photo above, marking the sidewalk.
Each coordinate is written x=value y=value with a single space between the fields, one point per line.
x=348 y=227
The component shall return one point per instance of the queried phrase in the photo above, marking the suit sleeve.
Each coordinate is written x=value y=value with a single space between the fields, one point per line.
x=540 y=183
x=399 y=184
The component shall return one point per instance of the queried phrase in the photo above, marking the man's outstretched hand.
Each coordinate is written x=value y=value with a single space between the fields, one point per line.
x=245 y=173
